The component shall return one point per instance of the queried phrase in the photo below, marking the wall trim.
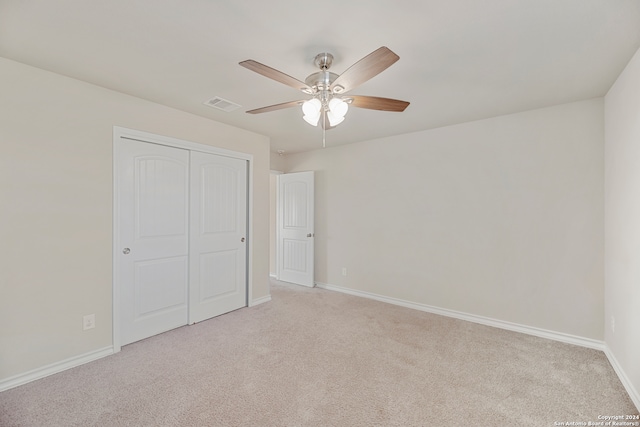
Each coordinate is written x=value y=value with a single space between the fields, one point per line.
x=487 y=321
x=624 y=379
x=54 y=368
x=634 y=394
x=260 y=300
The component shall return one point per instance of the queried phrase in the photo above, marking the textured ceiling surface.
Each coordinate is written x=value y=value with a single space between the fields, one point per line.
x=460 y=60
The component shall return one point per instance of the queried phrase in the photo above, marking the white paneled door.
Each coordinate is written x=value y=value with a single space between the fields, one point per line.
x=296 y=228
x=153 y=195
x=181 y=236
x=218 y=235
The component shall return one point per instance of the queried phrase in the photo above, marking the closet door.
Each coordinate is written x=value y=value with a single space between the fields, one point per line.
x=218 y=245
x=153 y=236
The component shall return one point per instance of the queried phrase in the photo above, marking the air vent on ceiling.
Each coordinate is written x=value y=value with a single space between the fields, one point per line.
x=222 y=104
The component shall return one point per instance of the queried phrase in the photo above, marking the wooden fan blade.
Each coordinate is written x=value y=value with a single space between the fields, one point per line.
x=276 y=75
x=275 y=107
x=368 y=67
x=377 y=103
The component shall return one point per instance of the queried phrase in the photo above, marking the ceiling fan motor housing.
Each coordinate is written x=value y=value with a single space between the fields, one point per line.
x=321 y=80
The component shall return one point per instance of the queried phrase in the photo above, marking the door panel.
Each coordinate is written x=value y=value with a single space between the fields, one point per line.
x=160 y=182
x=296 y=193
x=221 y=267
x=159 y=286
x=295 y=255
x=296 y=228
x=153 y=217
x=218 y=235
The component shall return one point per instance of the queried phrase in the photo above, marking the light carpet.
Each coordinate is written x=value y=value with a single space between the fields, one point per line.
x=313 y=357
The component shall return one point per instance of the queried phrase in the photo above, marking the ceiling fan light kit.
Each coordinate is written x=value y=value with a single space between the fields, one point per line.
x=326 y=88
x=311 y=110
x=337 y=110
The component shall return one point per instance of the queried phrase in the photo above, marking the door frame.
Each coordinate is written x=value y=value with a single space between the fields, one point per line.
x=120 y=133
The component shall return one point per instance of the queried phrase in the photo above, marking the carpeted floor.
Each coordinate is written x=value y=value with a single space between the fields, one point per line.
x=313 y=357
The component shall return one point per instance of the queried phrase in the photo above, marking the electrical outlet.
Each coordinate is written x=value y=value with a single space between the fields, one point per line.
x=344 y=271
x=613 y=324
x=89 y=322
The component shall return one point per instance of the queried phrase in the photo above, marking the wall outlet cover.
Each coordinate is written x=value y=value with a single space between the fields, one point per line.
x=89 y=322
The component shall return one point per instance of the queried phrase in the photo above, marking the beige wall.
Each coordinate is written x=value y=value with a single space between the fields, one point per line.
x=501 y=218
x=277 y=165
x=56 y=189
x=278 y=162
x=622 y=222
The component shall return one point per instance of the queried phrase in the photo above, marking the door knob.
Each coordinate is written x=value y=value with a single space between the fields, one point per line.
x=242 y=240
x=126 y=251
x=309 y=235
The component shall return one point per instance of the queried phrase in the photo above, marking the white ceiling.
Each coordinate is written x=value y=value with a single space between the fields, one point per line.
x=460 y=60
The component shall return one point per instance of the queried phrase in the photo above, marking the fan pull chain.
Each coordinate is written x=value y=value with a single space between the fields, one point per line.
x=324 y=131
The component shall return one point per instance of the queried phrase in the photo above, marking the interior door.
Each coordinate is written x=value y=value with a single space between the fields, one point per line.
x=218 y=250
x=296 y=228
x=153 y=203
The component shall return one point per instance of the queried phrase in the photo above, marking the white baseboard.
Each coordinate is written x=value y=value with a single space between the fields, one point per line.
x=529 y=330
x=54 y=368
x=260 y=300
x=543 y=333
x=624 y=379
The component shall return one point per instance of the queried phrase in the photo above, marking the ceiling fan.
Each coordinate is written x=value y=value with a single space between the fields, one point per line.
x=328 y=103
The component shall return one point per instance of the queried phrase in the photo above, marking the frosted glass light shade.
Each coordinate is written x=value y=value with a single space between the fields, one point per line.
x=311 y=110
x=311 y=107
x=334 y=120
x=338 y=107
x=312 y=120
